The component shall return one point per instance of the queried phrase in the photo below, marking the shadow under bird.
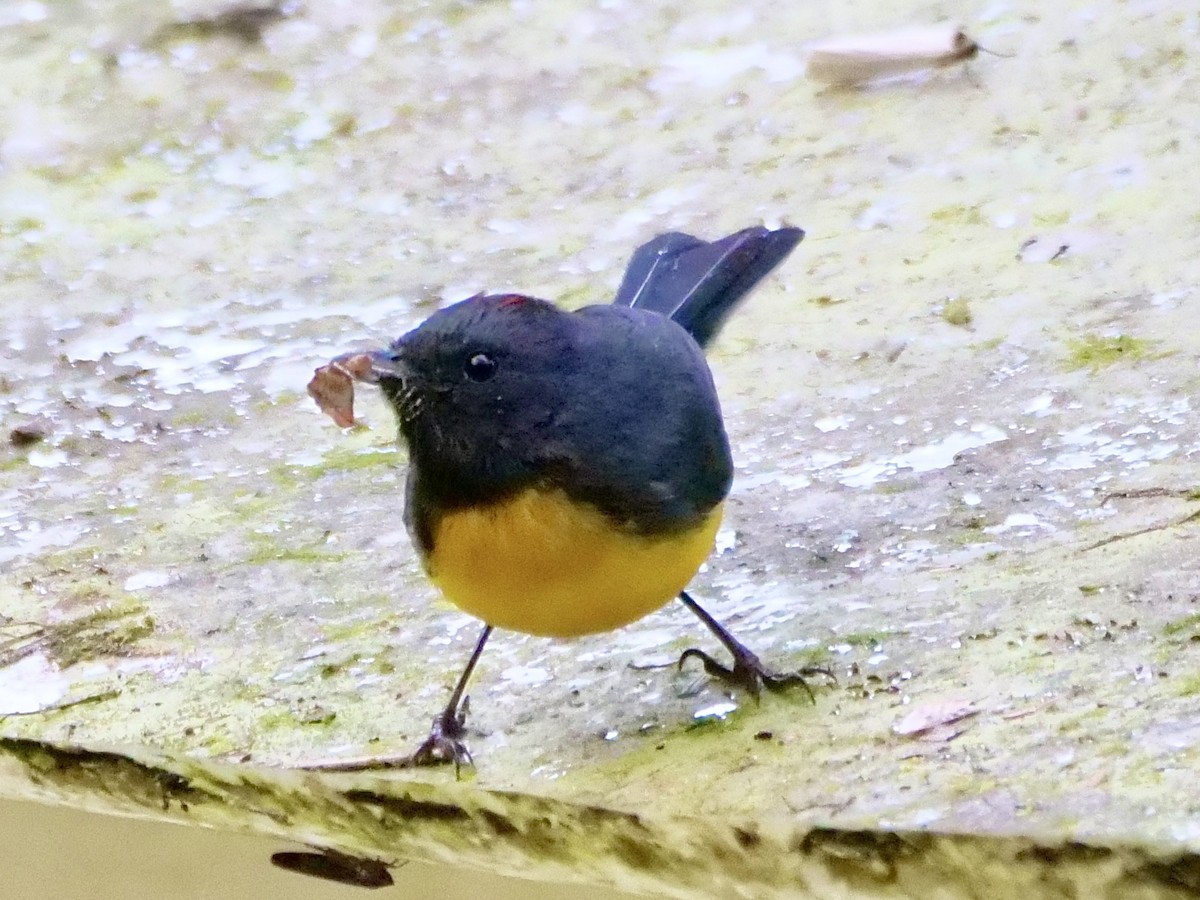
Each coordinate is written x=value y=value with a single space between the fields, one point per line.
x=567 y=470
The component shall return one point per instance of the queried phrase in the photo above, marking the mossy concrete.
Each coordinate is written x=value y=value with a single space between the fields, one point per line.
x=202 y=572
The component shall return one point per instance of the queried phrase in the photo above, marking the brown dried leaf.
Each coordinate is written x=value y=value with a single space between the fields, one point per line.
x=332 y=386
x=934 y=714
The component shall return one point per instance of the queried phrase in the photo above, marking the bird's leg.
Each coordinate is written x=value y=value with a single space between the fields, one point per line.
x=445 y=743
x=748 y=671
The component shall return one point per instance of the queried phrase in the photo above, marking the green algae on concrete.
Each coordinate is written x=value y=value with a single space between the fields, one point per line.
x=957 y=312
x=1093 y=351
x=391 y=821
x=110 y=630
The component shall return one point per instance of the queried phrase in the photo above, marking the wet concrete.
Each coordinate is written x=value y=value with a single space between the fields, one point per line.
x=929 y=404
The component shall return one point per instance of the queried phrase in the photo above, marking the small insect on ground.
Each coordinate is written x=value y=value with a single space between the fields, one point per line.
x=334 y=866
x=861 y=58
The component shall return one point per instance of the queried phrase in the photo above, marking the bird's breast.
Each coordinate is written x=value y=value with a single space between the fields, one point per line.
x=543 y=564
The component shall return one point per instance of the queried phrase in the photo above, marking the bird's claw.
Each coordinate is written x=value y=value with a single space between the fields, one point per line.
x=749 y=673
x=445 y=743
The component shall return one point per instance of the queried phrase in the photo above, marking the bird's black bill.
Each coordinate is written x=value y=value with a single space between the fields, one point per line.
x=386 y=364
x=698 y=283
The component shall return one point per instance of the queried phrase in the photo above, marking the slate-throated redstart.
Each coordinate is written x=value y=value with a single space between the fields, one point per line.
x=567 y=470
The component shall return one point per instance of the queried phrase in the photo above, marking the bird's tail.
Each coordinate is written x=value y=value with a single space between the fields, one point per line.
x=698 y=283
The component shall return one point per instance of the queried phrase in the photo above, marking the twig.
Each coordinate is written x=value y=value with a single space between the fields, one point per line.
x=66 y=704
x=1112 y=539
x=1139 y=493
x=16 y=648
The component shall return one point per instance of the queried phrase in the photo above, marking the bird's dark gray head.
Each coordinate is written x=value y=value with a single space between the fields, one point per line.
x=477 y=384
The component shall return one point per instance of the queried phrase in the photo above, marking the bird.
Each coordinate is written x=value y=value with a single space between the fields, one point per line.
x=568 y=468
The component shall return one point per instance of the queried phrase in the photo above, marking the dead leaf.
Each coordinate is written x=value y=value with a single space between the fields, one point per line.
x=934 y=714
x=332 y=386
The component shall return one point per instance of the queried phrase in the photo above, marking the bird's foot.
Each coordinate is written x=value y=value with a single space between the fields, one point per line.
x=445 y=744
x=750 y=674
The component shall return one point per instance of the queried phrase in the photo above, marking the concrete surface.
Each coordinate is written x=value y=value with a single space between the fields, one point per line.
x=930 y=405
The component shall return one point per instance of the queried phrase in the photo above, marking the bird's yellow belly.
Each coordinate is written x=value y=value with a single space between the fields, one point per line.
x=540 y=564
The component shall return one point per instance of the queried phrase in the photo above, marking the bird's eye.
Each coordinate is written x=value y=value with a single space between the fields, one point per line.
x=480 y=367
